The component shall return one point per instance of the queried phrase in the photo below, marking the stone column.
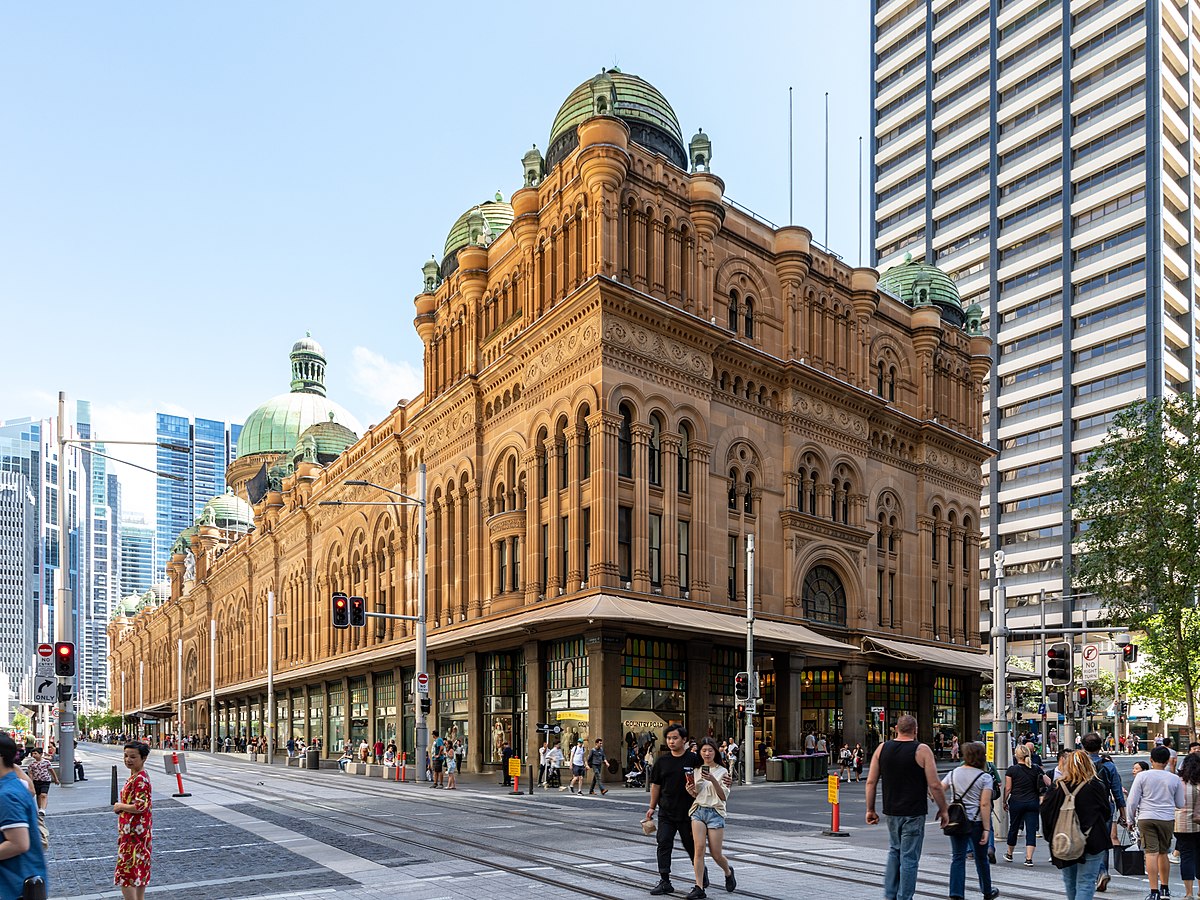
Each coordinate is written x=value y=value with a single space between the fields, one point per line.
x=699 y=662
x=972 y=684
x=477 y=589
x=605 y=650
x=641 y=507
x=533 y=508
x=475 y=701
x=789 y=700
x=535 y=693
x=854 y=702
x=925 y=567
x=925 y=705
x=702 y=517
x=556 y=580
x=575 y=510
x=669 y=462
x=606 y=429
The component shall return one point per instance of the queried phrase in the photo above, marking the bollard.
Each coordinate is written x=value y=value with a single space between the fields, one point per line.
x=531 y=781
x=403 y=766
x=178 y=776
x=834 y=830
x=114 y=785
x=516 y=784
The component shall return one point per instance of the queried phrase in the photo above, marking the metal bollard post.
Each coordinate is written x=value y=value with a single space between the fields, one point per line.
x=532 y=783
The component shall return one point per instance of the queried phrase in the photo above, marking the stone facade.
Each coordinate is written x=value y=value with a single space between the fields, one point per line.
x=619 y=388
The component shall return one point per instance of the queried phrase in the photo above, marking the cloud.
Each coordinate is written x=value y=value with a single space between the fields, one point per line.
x=382 y=381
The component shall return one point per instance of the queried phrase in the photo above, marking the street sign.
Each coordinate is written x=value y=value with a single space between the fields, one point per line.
x=45 y=689
x=831 y=788
x=1091 y=662
x=1041 y=709
x=422 y=682
x=991 y=746
x=45 y=660
x=549 y=729
x=751 y=707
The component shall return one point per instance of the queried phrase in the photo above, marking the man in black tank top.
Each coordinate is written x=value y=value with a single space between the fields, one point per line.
x=909 y=774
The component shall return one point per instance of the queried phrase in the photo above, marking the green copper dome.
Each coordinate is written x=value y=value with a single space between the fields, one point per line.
x=652 y=123
x=920 y=284
x=227 y=512
x=275 y=426
x=478 y=225
x=322 y=443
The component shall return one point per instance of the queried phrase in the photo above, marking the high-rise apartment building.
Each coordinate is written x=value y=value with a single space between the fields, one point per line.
x=137 y=555
x=18 y=578
x=1040 y=152
x=210 y=447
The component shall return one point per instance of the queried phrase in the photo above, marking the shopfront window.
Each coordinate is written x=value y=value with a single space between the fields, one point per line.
x=409 y=730
x=335 y=735
x=889 y=696
x=316 y=715
x=948 y=712
x=452 y=689
x=653 y=687
x=385 y=707
x=567 y=689
x=281 y=722
x=504 y=701
x=298 y=713
x=821 y=702
x=255 y=719
x=359 y=711
x=722 y=711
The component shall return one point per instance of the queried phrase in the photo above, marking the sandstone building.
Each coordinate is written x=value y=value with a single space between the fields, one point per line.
x=624 y=376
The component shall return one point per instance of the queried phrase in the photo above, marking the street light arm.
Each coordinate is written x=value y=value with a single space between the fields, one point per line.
x=135 y=465
x=358 y=482
x=166 y=445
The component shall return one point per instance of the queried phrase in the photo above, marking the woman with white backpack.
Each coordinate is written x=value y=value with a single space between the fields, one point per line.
x=1076 y=819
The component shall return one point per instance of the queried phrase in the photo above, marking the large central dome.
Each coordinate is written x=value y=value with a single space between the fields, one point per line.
x=652 y=123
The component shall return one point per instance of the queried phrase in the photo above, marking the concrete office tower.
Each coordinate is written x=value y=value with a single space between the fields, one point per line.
x=211 y=447
x=18 y=579
x=137 y=555
x=1039 y=152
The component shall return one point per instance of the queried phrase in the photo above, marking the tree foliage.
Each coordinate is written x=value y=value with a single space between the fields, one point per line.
x=1139 y=551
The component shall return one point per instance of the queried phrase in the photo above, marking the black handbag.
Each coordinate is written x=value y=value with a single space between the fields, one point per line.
x=35 y=888
x=1129 y=859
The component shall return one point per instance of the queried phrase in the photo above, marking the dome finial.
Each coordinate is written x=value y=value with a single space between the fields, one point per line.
x=308 y=367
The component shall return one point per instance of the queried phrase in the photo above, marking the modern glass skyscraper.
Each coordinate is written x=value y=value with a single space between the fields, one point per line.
x=1040 y=152
x=18 y=576
x=212 y=446
x=137 y=556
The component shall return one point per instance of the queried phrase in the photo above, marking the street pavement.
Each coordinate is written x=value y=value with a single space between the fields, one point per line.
x=253 y=831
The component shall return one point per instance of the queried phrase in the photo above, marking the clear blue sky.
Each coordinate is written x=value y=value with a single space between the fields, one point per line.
x=188 y=188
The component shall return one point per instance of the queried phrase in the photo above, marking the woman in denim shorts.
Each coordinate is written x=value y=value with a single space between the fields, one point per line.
x=708 y=786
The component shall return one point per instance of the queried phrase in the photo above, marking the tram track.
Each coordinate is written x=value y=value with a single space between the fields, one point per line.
x=568 y=862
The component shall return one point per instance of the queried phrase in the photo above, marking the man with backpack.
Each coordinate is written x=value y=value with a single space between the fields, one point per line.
x=1156 y=795
x=1106 y=771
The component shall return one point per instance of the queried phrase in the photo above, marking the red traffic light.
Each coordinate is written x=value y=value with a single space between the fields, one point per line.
x=1129 y=653
x=341 y=611
x=64 y=659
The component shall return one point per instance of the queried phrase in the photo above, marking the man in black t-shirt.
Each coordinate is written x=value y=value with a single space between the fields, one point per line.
x=668 y=792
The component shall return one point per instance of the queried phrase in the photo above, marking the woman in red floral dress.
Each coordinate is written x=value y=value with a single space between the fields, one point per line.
x=133 y=826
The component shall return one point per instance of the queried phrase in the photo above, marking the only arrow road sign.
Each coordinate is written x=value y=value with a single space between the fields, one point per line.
x=45 y=689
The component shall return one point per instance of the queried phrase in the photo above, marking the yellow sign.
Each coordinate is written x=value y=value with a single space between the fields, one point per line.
x=514 y=767
x=991 y=747
x=833 y=781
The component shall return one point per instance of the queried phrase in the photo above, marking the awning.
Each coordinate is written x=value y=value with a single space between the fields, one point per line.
x=929 y=653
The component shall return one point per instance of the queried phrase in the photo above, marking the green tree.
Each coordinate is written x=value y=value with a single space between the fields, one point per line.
x=20 y=721
x=1157 y=679
x=1139 y=550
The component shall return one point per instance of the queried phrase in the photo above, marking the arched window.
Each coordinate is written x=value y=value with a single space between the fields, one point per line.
x=733 y=311
x=748 y=500
x=891 y=384
x=966 y=541
x=749 y=317
x=950 y=540
x=879 y=380
x=625 y=442
x=585 y=445
x=656 y=449
x=560 y=434
x=543 y=465
x=824 y=596
x=733 y=484
x=879 y=533
x=685 y=458
x=933 y=538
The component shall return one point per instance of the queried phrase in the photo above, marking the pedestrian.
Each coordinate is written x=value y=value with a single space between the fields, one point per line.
x=732 y=759
x=595 y=762
x=378 y=750
x=346 y=758
x=971 y=785
x=21 y=857
x=1106 y=771
x=648 y=762
x=41 y=773
x=954 y=747
x=389 y=755
x=1153 y=803
x=668 y=793
x=437 y=765
x=1024 y=785
x=810 y=743
x=857 y=756
x=1092 y=805
x=1173 y=764
x=451 y=769
x=364 y=751
x=291 y=747
x=909 y=772
x=1187 y=829
x=578 y=770
x=134 y=826
x=543 y=754
x=506 y=753
x=707 y=813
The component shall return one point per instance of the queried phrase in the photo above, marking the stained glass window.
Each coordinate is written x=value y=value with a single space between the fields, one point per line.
x=452 y=680
x=566 y=665
x=947 y=690
x=725 y=664
x=504 y=674
x=653 y=664
x=824 y=596
x=891 y=690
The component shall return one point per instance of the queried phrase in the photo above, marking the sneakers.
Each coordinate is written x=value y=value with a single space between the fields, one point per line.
x=1164 y=892
x=696 y=893
x=1029 y=863
x=1102 y=882
x=663 y=887
x=603 y=791
x=993 y=895
x=730 y=881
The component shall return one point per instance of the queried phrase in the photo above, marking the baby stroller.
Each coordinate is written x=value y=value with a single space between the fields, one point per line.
x=553 y=779
x=636 y=778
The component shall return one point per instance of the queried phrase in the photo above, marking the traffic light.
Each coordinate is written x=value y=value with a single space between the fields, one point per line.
x=741 y=711
x=1124 y=707
x=741 y=686
x=1084 y=696
x=1059 y=664
x=424 y=704
x=341 y=611
x=64 y=659
x=1129 y=653
x=65 y=692
x=1057 y=702
x=358 y=612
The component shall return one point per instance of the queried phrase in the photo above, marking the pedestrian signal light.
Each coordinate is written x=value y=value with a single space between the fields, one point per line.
x=341 y=611
x=1059 y=665
x=358 y=612
x=1129 y=653
x=1084 y=695
x=741 y=710
x=741 y=686
x=424 y=704
x=64 y=659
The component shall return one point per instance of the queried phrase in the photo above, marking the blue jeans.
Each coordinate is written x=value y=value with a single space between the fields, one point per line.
x=1080 y=879
x=906 y=835
x=960 y=845
x=1026 y=813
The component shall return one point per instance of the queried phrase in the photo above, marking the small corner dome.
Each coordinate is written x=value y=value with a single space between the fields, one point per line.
x=639 y=104
x=306 y=344
x=493 y=216
x=325 y=441
x=229 y=513
x=920 y=284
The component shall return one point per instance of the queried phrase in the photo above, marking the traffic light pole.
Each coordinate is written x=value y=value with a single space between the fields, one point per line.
x=1000 y=634
x=64 y=606
x=748 y=751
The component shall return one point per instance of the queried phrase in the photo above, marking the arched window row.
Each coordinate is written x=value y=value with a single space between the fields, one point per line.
x=741 y=490
x=740 y=312
x=746 y=389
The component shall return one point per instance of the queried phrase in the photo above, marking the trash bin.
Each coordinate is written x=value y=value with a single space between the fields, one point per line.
x=803 y=768
x=774 y=769
x=312 y=759
x=790 y=767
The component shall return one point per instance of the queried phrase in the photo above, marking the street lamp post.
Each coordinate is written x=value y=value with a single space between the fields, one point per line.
x=420 y=724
